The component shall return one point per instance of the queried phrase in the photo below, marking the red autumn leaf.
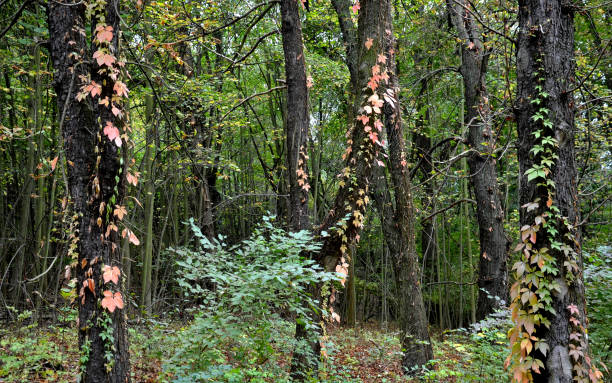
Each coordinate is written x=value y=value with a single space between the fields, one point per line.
x=91 y=285
x=132 y=179
x=120 y=89
x=382 y=58
x=104 y=34
x=53 y=163
x=532 y=238
x=116 y=111
x=378 y=125
x=573 y=309
x=309 y=82
x=374 y=137
x=356 y=7
x=368 y=43
x=111 y=274
x=103 y=58
x=363 y=118
x=373 y=84
x=112 y=133
x=112 y=301
x=132 y=237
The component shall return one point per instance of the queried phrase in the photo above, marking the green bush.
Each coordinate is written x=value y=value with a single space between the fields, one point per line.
x=598 y=282
x=244 y=292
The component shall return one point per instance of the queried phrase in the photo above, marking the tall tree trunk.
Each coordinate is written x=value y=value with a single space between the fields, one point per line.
x=93 y=168
x=149 y=190
x=413 y=318
x=375 y=21
x=549 y=213
x=494 y=245
x=296 y=131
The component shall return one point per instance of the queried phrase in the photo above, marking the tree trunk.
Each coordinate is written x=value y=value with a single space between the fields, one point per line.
x=306 y=354
x=149 y=189
x=93 y=168
x=494 y=245
x=413 y=318
x=549 y=212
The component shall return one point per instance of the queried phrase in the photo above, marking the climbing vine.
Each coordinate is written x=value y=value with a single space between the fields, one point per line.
x=548 y=265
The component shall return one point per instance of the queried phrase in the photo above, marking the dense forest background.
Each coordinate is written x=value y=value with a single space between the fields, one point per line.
x=207 y=189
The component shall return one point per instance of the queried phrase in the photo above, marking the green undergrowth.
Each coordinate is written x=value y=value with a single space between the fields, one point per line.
x=365 y=354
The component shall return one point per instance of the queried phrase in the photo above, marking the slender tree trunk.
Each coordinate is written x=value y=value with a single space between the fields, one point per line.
x=494 y=245
x=93 y=168
x=549 y=212
x=149 y=189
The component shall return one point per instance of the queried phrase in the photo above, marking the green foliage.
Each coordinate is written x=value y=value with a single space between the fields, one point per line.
x=244 y=292
x=475 y=353
x=27 y=354
x=598 y=282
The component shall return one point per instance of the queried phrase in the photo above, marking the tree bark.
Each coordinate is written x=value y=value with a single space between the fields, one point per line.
x=494 y=245
x=545 y=78
x=401 y=237
x=93 y=168
x=306 y=354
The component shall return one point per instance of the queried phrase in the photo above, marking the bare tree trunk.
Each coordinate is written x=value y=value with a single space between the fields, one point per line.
x=494 y=245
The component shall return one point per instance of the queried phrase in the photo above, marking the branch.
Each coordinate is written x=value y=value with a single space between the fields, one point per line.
x=448 y=208
x=592 y=69
x=15 y=18
x=585 y=220
x=251 y=50
x=250 y=97
x=234 y=21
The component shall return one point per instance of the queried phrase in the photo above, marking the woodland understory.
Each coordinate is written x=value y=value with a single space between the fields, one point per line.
x=305 y=191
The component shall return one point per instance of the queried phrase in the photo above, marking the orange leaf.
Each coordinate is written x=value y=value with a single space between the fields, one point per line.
x=368 y=43
x=91 y=285
x=119 y=212
x=132 y=237
x=53 y=163
x=111 y=274
x=112 y=301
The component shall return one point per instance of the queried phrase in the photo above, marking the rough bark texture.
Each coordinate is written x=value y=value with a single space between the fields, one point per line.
x=400 y=236
x=305 y=359
x=545 y=57
x=494 y=245
x=297 y=123
x=397 y=219
x=90 y=184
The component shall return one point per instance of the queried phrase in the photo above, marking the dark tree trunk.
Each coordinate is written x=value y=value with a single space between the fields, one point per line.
x=397 y=221
x=306 y=354
x=93 y=167
x=400 y=236
x=545 y=77
x=296 y=126
x=494 y=245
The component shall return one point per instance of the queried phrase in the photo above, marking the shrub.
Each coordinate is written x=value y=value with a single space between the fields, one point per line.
x=242 y=292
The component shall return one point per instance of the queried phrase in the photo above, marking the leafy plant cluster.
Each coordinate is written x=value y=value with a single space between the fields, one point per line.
x=246 y=294
x=539 y=273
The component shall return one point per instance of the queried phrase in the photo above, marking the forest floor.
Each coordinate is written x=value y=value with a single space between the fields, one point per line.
x=32 y=353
